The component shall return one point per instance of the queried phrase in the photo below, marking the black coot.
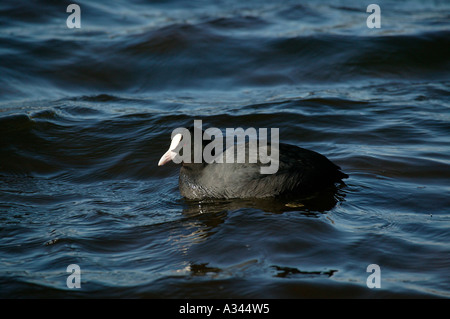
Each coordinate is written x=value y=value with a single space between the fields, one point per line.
x=300 y=171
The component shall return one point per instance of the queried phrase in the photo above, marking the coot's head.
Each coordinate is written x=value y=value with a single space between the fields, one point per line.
x=182 y=141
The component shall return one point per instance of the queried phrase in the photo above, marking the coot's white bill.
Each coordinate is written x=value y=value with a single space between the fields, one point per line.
x=170 y=154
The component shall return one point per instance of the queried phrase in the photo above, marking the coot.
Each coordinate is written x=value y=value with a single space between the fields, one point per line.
x=300 y=171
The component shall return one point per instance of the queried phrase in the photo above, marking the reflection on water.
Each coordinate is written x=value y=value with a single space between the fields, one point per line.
x=309 y=205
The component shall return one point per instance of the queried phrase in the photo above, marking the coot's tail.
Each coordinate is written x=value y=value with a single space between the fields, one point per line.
x=339 y=176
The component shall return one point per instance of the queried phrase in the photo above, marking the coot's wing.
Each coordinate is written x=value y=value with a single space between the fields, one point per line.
x=299 y=170
x=310 y=168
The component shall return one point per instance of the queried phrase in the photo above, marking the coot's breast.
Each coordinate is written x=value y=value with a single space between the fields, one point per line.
x=300 y=171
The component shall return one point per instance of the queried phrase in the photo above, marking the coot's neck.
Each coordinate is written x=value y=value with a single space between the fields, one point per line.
x=193 y=167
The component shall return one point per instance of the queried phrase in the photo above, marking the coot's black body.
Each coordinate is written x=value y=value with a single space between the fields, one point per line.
x=300 y=171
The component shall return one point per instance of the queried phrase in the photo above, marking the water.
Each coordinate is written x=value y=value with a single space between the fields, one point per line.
x=85 y=115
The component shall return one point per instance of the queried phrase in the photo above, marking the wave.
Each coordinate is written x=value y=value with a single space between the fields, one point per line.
x=231 y=50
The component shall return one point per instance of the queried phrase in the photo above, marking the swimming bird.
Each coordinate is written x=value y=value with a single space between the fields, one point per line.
x=300 y=172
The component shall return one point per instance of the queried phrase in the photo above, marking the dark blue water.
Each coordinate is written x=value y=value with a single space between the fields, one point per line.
x=85 y=115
